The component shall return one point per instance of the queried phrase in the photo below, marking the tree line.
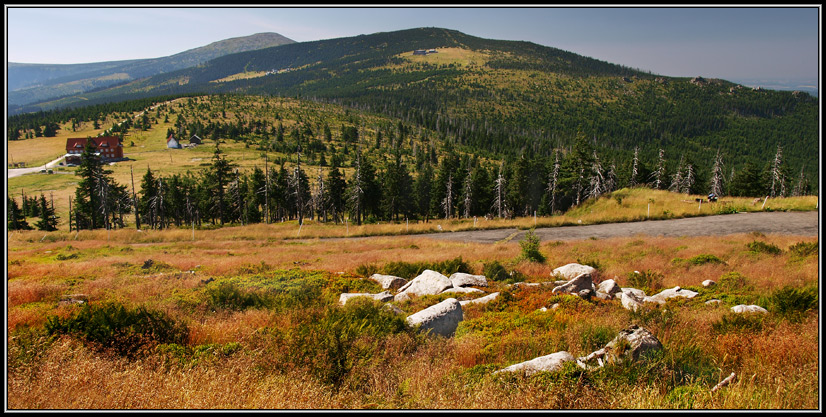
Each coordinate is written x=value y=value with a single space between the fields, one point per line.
x=390 y=188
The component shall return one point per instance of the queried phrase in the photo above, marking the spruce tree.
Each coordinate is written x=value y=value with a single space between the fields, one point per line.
x=423 y=191
x=16 y=219
x=97 y=196
x=48 y=219
x=149 y=199
x=218 y=177
x=336 y=188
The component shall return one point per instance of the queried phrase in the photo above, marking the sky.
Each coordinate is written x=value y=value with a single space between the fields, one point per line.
x=735 y=43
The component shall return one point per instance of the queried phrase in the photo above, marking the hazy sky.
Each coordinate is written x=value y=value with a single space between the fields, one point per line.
x=730 y=43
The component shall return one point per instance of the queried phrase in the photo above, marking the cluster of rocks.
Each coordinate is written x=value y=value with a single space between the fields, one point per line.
x=580 y=282
x=442 y=318
x=631 y=344
x=576 y=279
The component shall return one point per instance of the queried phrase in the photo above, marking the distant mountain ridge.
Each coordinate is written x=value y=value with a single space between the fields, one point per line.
x=29 y=83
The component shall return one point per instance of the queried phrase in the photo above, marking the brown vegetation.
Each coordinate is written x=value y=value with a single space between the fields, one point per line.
x=248 y=358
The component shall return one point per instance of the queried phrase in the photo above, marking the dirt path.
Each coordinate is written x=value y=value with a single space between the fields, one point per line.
x=792 y=223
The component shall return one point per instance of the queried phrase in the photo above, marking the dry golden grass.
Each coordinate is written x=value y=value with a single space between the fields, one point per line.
x=777 y=366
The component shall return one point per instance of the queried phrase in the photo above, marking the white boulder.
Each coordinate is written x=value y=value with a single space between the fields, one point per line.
x=675 y=292
x=573 y=270
x=630 y=301
x=461 y=279
x=635 y=292
x=427 y=283
x=388 y=282
x=607 y=289
x=631 y=343
x=581 y=282
x=441 y=319
x=547 y=363
x=742 y=308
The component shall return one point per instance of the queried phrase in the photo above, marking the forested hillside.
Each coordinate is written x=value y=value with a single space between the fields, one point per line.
x=268 y=159
x=506 y=98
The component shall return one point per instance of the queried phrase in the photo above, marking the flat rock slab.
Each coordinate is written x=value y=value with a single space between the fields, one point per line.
x=742 y=308
x=481 y=300
x=573 y=270
x=383 y=296
x=463 y=290
x=461 y=279
x=440 y=319
x=547 y=363
x=663 y=296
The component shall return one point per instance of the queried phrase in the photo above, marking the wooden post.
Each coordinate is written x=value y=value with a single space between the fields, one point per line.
x=70 y=213
x=764 y=202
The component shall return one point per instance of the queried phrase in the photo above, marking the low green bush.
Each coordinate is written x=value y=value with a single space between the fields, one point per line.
x=648 y=280
x=227 y=295
x=803 y=249
x=333 y=341
x=763 y=247
x=731 y=281
x=739 y=322
x=114 y=327
x=495 y=271
x=698 y=260
x=792 y=303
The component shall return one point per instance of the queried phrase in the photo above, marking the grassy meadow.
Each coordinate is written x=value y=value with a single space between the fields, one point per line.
x=239 y=319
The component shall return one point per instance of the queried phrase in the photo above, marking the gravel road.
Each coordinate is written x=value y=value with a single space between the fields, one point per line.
x=791 y=223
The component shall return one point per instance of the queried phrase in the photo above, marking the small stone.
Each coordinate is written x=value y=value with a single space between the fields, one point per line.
x=748 y=309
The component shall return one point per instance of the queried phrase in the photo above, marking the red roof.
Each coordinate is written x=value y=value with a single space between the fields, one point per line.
x=100 y=142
